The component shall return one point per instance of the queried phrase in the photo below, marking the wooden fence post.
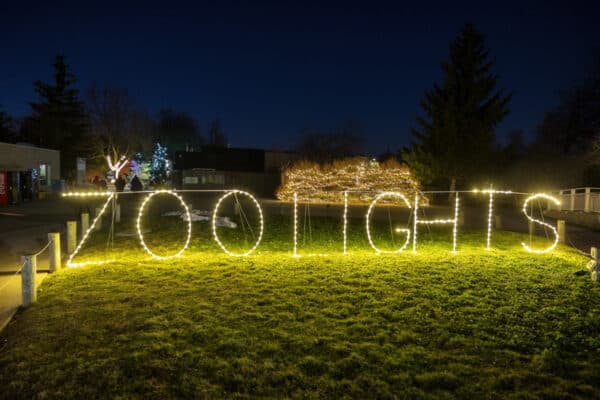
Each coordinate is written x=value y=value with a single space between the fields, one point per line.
x=71 y=236
x=54 y=256
x=593 y=265
x=587 y=203
x=29 y=296
x=562 y=231
x=85 y=223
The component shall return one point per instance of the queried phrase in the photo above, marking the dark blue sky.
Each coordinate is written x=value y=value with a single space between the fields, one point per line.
x=269 y=69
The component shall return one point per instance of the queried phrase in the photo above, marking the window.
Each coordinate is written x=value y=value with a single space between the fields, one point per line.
x=44 y=174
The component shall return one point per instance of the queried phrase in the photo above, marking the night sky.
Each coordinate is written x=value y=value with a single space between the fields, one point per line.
x=269 y=70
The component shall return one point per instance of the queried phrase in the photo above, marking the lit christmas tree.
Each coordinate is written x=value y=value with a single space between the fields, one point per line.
x=159 y=166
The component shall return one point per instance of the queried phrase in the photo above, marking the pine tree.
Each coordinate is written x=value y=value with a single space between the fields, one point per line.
x=158 y=167
x=59 y=118
x=7 y=131
x=455 y=139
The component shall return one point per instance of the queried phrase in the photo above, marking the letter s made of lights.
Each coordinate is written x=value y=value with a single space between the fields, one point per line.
x=368 y=217
x=556 y=202
x=214 y=222
x=139 y=224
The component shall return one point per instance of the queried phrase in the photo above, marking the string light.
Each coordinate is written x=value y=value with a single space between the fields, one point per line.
x=360 y=177
x=116 y=168
x=490 y=226
x=455 y=228
x=214 y=222
x=295 y=224
x=556 y=237
x=453 y=221
x=368 y=217
x=490 y=215
x=345 y=220
x=139 y=224
x=86 y=194
x=415 y=222
x=85 y=236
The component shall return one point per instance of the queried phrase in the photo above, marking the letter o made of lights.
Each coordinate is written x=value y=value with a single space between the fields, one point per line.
x=214 y=223
x=370 y=211
x=139 y=224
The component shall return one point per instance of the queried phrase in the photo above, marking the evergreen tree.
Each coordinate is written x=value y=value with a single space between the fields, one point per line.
x=59 y=120
x=7 y=130
x=456 y=137
x=158 y=167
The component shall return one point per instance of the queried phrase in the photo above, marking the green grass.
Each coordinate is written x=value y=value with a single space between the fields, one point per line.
x=477 y=324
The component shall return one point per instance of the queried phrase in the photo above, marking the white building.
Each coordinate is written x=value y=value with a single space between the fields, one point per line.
x=26 y=171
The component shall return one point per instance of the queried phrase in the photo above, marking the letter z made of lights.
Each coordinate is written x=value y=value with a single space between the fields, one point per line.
x=139 y=224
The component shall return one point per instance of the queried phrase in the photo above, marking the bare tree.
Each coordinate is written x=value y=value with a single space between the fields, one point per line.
x=119 y=126
x=325 y=146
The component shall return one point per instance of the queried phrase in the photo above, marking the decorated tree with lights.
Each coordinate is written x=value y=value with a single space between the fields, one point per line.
x=159 y=165
x=455 y=138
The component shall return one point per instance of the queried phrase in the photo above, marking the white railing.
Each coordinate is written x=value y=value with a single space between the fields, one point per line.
x=586 y=199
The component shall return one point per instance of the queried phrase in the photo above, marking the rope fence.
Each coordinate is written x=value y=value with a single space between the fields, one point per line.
x=28 y=269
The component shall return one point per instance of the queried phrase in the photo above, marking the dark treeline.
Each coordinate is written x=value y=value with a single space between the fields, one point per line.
x=104 y=120
x=453 y=141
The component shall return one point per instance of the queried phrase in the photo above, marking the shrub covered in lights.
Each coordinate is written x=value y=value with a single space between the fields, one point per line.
x=362 y=178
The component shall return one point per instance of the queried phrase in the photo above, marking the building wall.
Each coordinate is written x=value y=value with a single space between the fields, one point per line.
x=17 y=157
x=259 y=184
x=276 y=161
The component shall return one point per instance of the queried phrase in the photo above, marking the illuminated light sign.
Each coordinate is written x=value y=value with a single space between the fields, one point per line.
x=70 y=262
x=345 y=220
x=491 y=192
x=234 y=192
x=417 y=221
x=139 y=224
x=537 y=221
x=368 y=218
x=295 y=224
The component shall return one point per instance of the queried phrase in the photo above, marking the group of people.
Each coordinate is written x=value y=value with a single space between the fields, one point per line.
x=135 y=184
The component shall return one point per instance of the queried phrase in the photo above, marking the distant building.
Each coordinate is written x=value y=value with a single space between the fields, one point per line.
x=27 y=172
x=254 y=170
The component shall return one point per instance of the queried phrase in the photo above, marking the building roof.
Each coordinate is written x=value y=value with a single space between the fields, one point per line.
x=221 y=159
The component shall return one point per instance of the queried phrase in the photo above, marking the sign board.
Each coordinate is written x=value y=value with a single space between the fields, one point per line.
x=81 y=166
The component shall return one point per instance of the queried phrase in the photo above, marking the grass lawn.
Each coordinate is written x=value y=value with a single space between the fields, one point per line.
x=477 y=324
